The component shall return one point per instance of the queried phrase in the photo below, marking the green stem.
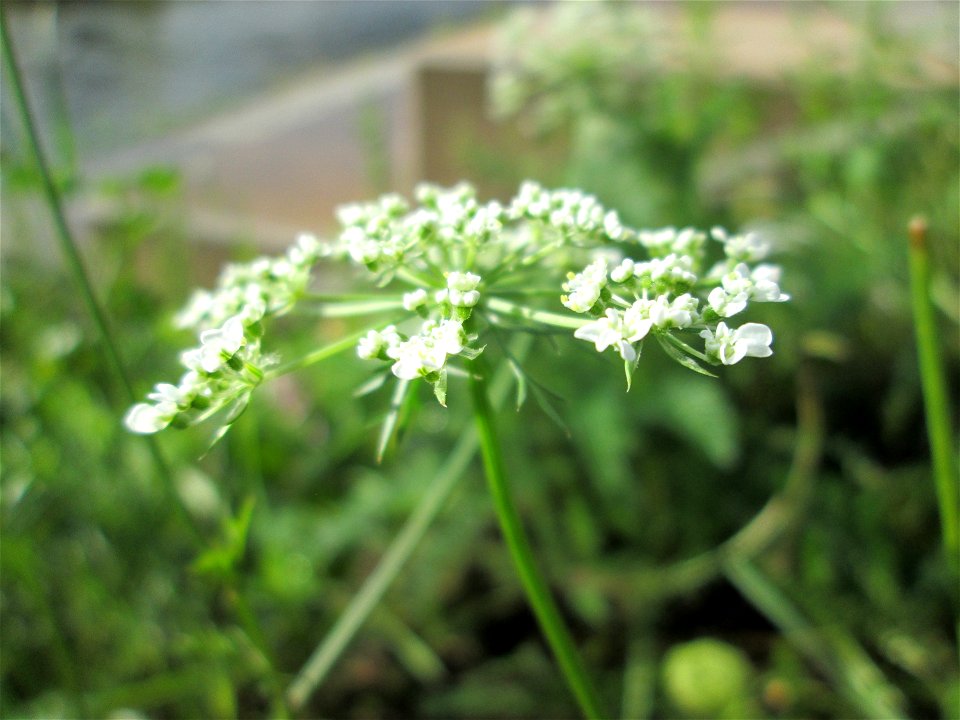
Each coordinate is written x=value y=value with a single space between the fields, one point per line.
x=396 y=556
x=934 y=391
x=64 y=236
x=353 y=309
x=335 y=642
x=251 y=626
x=71 y=253
x=500 y=306
x=74 y=260
x=538 y=594
x=317 y=355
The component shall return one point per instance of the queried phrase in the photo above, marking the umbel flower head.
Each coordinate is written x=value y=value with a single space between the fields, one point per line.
x=226 y=364
x=450 y=268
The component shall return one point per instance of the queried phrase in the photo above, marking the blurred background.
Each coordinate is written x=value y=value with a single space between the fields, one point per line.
x=763 y=545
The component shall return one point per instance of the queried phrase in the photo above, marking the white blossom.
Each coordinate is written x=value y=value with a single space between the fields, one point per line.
x=766 y=288
x=414 y=299
x=731 y=346
x=585 y=287
x=748 y=247
x=376 y=342
x=618 y=330
x=677 y=313
x=147 y=418
x=461 y=289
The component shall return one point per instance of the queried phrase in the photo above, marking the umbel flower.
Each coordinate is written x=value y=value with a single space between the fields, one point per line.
x=450 y=268
x=226 y=364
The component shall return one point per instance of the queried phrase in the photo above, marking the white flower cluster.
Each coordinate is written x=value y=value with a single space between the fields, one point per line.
x=385 y=236
x=463 y=265
x=224 y=368
x=628 y=298
x=424 y=354
x=661 y=294
x=577 y=215
x=451 y=229
x=265 y=286
x=227 y=363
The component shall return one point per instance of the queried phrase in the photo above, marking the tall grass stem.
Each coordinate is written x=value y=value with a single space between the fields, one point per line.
x=329 y=650
x=78 y=270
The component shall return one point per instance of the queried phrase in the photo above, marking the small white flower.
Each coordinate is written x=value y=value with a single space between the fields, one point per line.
x=612 y=226
x=221 y=344
x=416 y=357
x=605 y=332
x=724 y=304
x=144 y=418
x=370 y=345
x=731 y=346
x=766 y=286
x=414 y=299
x=679 y=313
x=305 y=250
x=623 y=271
x=448 y=335
x=738 y=280
x=617 y=330
x=427 y=352
x=375 y=341
x=461 y=288
x=167 y=393
x=637 y=321
x=585 y=287
x=200 y=304
x=461 y=281
x=748 y=247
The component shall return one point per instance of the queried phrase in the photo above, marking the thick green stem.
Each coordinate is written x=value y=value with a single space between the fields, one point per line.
x=934 y=392
x=538 y=594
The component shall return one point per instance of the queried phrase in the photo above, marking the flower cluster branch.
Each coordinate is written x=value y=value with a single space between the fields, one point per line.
x=454 y=266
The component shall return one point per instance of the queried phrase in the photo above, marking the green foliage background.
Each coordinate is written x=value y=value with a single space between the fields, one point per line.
x=837 y=601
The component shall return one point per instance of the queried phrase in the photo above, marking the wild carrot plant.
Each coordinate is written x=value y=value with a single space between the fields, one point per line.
x=453 y=275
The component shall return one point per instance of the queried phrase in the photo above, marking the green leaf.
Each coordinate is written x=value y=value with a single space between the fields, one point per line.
x=543 y=400
x=440 y=387
x=630 y=365
x=521 y=377
x=681 y=357
x=221 y=559
x=392 y=422
x=234 y=410
x=372 y=385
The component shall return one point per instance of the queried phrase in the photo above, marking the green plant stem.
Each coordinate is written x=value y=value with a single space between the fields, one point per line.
x=848 y=666
x=935 y=400
x=74 y=260
x=345 y=628
x=401 y=549
x=75 y=264
x=500 y=306
x=538 y=594
x=353 y=309
x=52 y=196
x=251 y=626
x=312 y=358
